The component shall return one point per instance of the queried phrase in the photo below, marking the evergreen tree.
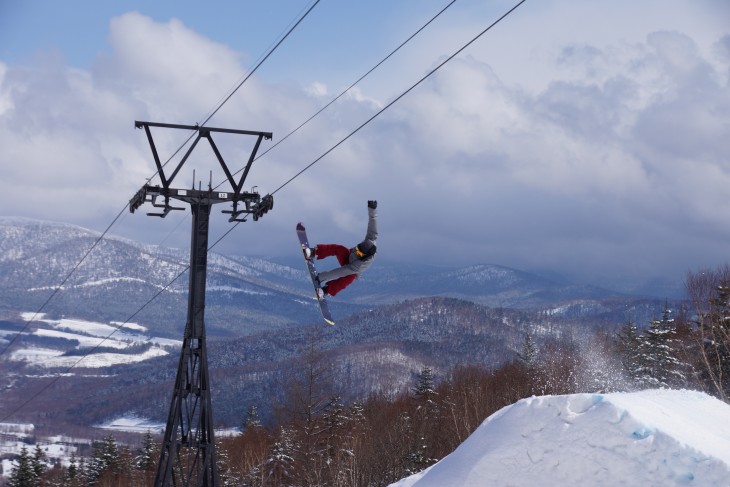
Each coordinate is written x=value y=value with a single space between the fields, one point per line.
x=335 y=419
x=528 y=355
x=425 y=389
x=226 y=475
x=528 y=358
x=630 y=351
x=38 y=463
x=123 y=469
x=104 y=457
x=280 y=465
x=401 y=448
x=63 y=479
x=23 y=474
x=69 y=476
x=660 y=365
x=81 y=479
x=425 y=422
x=252 y=419
x=82 y=473
x=334 y=422
x=145 y=458
x=357 y=413
x=418 y=458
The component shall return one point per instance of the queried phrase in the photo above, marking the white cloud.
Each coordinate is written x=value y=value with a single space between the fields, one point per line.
x=541 y=145
x=633 y=132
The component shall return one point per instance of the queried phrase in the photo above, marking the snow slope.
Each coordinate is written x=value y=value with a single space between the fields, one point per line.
x=648 y=438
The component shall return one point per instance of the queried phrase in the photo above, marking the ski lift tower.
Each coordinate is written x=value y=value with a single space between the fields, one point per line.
x=187 y=457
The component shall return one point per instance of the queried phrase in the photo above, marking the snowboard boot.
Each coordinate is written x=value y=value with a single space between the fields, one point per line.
x=320 y=284
x=320 y=293
x=310 y=253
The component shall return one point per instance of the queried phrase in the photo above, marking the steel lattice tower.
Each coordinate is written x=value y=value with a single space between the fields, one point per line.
x=187 y=457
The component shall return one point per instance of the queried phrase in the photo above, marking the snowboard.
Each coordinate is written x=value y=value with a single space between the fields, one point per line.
x=304 y=243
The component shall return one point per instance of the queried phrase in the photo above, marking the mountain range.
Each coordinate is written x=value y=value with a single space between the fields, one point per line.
x=121 y=279
x=261 y=320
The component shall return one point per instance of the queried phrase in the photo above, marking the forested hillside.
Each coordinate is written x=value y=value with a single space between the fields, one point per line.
x=316 y=436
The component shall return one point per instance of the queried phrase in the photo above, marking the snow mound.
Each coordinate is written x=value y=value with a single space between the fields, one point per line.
x=656 y=437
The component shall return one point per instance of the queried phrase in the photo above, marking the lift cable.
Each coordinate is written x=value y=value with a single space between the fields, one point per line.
x=274 y=44
x=260 y=62
x=122 y=211
x=238 y=85
x=352 y=85
x=401 y=95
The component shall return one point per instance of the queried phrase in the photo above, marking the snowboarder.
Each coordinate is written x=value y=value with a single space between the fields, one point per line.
x=353 y=262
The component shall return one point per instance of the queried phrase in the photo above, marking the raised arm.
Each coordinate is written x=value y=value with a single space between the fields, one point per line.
x=372 y=233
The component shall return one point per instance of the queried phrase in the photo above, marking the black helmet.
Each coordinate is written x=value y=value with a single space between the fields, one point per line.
x=366 y=249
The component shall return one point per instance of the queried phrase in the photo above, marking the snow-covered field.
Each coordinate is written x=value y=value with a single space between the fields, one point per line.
x=116 y=334
x=133 y=424
x=648 y=438
x=89 y=335
x=54 y=358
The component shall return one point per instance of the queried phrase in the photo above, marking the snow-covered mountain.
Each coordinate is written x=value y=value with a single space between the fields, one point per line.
x=649 y=438
x=119 y=276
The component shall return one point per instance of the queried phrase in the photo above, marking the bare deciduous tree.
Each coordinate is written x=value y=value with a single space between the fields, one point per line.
x=709 y=292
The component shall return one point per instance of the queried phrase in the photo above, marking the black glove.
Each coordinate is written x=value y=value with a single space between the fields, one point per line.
x=372 y=204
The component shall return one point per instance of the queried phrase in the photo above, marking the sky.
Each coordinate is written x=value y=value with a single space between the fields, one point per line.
x=588 y=139
x=654 y=437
